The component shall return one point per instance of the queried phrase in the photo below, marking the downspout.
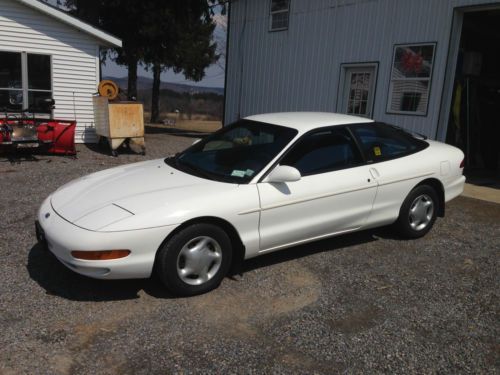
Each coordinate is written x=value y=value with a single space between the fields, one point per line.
x=241 y=53
x=227 y=63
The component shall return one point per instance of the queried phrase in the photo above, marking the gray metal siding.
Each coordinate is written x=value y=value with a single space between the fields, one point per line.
x=299 y=69
x=75 y=64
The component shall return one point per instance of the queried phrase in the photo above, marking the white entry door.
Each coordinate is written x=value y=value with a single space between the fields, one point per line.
x=358 y=89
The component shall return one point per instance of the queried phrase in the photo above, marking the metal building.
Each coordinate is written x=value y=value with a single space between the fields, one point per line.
x=431 y=66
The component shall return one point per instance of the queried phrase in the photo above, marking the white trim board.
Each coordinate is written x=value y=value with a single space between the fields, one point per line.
x=109 y=40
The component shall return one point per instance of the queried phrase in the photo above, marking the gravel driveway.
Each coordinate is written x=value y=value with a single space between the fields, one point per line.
x=360 y=303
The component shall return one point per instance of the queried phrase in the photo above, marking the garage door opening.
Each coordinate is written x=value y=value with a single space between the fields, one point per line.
x=474 y=122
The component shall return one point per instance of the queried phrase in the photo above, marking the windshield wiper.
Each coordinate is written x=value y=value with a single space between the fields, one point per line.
x=194 y=170
x=172 y=160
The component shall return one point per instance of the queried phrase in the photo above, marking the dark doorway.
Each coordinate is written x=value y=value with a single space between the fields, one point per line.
x=474 y=123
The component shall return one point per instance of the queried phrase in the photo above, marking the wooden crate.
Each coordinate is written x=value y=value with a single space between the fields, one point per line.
x=118 y=122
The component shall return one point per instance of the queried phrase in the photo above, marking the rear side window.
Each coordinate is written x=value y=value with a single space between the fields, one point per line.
x=323 y=151
x=383 y=142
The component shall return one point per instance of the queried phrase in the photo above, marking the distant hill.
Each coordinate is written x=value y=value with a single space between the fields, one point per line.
x=145 y=83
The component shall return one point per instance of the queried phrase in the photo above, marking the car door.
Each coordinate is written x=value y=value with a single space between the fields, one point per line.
x=335 y=194
x=392 y=155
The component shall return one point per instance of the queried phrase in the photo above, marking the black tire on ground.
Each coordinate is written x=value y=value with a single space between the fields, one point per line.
x=170 y=261
x=418 y=212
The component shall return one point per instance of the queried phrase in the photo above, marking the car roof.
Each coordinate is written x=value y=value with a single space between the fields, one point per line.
x=305 y=121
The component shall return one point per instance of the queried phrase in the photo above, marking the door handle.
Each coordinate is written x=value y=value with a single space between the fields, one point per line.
x=374 y=173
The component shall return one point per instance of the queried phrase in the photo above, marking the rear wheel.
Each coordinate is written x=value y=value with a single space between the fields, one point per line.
x=418 y=212
x=194 y=260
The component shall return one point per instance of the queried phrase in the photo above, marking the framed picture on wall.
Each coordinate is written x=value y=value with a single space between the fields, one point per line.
x=411 y=76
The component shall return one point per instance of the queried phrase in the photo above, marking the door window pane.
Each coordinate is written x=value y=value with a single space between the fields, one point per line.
x=39 y=77
x=10 y=70
x=358 y=94
x=323 y=151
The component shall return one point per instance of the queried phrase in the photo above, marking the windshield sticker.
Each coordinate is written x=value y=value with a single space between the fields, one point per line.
x=249 y=172
x=237 y=173
x=377 y=151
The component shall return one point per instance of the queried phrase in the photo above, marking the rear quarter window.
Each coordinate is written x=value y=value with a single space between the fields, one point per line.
x=381 y=142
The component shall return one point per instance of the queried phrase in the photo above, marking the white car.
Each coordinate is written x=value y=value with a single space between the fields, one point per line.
x=264 y=183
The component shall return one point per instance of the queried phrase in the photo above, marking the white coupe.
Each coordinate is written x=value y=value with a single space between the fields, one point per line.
x=264 y=183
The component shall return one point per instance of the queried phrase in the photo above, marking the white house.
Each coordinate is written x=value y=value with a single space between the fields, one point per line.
x=430 y=66
x=45 y=53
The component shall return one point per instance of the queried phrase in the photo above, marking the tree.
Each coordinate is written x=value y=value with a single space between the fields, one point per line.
x=121 y=18
x=87 y=10
x=175 y=34
x=124 y=18
x=179 y=37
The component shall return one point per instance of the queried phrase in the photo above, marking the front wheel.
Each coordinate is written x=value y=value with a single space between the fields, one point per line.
x=418 y=212
x=194 y=260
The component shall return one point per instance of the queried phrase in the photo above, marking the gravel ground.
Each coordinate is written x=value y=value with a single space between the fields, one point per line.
x=360 y=303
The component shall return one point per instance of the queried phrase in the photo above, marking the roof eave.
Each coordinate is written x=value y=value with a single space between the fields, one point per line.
x=106 y=39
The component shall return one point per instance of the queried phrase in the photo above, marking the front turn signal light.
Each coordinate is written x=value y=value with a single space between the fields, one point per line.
x=100 y=255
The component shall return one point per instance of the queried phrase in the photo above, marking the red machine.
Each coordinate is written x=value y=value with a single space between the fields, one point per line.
x=22 y=130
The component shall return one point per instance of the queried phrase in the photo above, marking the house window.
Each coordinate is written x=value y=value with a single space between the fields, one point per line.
x=279 y=13
x=11 y=86
x=411 y=79
x=25 y=81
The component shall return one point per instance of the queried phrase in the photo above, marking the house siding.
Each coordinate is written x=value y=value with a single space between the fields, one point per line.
x=299 y=69
x=75 y=60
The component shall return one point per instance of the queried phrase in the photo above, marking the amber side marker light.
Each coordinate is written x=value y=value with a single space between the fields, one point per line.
x=100 y=255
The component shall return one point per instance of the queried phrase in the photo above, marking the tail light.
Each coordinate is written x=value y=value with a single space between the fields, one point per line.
x=462 y=164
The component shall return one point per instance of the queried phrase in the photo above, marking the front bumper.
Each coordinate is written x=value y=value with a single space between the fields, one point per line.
x=62 y=237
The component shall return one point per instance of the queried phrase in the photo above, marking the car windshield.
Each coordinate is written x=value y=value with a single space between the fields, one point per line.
x=235 y=153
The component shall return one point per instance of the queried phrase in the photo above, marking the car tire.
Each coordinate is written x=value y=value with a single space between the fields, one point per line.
x=195 y=260
x=418 y=212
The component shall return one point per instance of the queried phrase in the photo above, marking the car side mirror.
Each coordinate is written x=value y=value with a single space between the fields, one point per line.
x=195 y=141
x=283 y=173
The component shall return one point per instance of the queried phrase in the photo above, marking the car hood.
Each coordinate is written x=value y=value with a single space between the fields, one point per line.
x=102 y=198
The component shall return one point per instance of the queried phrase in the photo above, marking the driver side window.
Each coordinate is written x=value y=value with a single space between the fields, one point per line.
x=323 y=151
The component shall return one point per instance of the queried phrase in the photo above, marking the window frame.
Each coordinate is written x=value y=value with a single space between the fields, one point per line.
x=302 y=137
x=365 y=160
x=17 y=89
x=356 y=151
x=25 y=79
x=415 y=79
x=234 y=180
x=272 y=13
x=344 y=68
